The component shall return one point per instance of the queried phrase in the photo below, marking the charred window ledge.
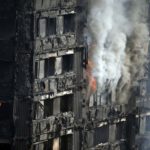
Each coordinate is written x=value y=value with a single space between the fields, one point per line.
x=53 y=44
x=54 y=54
x=42 y=97
x=55 y=85
x=51 y=124
x=102 y=112
x=116 y=145
x=54 y=4
x=56 y=36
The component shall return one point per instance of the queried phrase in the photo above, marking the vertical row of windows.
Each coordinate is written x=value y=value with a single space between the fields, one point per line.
x=48 y=26
x=52 y=66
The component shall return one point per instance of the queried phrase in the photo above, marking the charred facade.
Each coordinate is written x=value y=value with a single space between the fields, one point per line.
x=49 y=76
x=7 y=42
x=43 y=90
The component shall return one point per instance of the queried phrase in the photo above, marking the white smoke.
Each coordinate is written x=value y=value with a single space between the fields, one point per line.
x=119 y=35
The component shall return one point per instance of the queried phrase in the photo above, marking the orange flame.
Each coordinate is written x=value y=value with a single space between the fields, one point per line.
x=91 y=79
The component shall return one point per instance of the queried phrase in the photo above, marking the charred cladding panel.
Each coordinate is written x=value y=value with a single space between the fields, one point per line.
x=23 y=91
x=7 y=43
x=7 y=18
x=7 y=47
x=6 y=82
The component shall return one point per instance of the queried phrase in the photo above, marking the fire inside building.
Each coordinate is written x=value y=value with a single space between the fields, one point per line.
x=48 y=96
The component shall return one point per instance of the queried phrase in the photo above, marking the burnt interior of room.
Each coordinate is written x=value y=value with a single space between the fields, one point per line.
x=48 y=108
x=51 y=26
x=69 y=23
x=49 y=67
x=66 y=142
x=66 y=103
x=62 y=105
x=67 y=63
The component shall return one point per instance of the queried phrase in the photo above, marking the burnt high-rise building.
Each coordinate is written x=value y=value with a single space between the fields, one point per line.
x=44 y=103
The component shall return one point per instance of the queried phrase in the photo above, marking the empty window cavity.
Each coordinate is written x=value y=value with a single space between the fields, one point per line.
x=48 y=108
x=67 y=63
x=69 y=23
x=49 y=67
x=51 y=26
x=66 y=142
x=66 y=103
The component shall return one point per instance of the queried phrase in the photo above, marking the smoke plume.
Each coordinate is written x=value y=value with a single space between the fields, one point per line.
x=118 y=37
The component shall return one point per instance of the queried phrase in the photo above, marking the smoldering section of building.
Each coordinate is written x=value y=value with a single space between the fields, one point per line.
x=43 y=86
